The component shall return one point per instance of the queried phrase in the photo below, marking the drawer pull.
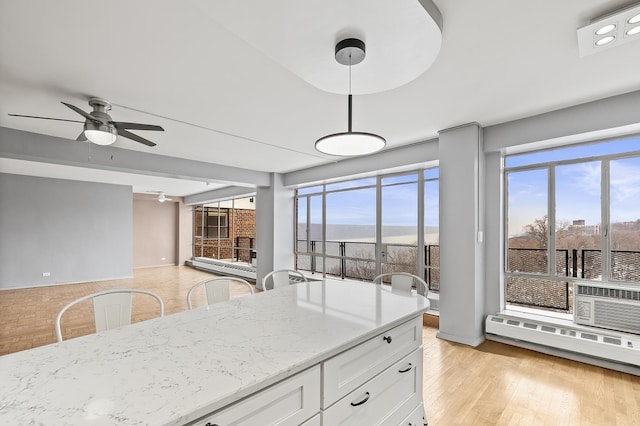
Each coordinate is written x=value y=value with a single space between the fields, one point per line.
x=406 y=369
x=387 y=338
x=211 y=424
x=366 y=398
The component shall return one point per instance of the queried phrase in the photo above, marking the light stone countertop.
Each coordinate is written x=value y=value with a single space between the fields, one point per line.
x=172 y=370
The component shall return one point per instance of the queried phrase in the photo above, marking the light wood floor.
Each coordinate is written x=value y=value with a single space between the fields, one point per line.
x=494 y=384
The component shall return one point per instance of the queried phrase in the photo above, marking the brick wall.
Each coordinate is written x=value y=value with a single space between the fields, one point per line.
x=242 y=227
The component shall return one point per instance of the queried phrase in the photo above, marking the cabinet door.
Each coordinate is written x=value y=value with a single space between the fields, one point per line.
x=416 y=418
x=290 y=402
x=348 y=370
x=314 y=421
x=385 y=400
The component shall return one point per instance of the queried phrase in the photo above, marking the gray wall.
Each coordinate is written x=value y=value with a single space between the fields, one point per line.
x=76 y=231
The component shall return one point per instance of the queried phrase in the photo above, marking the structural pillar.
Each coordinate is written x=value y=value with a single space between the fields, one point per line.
x=274 y=228
x=461 y=235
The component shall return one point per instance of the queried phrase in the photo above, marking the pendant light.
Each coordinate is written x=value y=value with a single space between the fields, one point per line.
x=350 y=52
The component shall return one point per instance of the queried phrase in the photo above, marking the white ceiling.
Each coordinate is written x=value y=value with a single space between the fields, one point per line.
x=200 y=69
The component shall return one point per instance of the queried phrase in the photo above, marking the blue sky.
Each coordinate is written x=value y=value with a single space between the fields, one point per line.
x=578 y=186
x=358 y=207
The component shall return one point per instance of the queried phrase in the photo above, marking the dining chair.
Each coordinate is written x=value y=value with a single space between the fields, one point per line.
x=403 y=281
x=217 y=289
x=111 y=308
x=282 y=277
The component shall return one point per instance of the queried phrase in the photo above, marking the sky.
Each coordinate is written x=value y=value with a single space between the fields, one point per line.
x=578 y=186
x=358 y=206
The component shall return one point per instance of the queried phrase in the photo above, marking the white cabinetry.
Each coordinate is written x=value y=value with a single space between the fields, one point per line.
x=376 y=382
x=288 y=403
x=387 y=399
x=350 y=369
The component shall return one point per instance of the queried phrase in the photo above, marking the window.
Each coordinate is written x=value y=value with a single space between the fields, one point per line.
x=214 y=224
x=225 y=230
x=359 y=228
x=573 y=213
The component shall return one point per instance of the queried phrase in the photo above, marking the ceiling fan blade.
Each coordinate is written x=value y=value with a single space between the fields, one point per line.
x=136 y=126
x=45 y=118
x=82 y=113
x=129 y=135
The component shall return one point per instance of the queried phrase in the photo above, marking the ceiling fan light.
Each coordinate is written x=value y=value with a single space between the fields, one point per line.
x=348 y=144
x=100 y=134
x=100 y=137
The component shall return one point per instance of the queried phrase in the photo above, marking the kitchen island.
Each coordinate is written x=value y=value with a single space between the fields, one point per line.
x=306 y=353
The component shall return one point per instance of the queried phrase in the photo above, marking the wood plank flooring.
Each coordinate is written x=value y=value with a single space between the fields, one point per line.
x=494 y=384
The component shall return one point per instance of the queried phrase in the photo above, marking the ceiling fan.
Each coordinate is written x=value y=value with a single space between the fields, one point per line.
x=99 y=128
x=161 y=196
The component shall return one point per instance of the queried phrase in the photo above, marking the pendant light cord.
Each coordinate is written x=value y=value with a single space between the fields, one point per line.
x=349 y=98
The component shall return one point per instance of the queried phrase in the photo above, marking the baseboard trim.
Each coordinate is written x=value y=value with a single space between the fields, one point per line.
x=574 y=356
x=473 y=342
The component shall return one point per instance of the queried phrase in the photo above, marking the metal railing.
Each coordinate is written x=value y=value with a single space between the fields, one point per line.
x=357 y=260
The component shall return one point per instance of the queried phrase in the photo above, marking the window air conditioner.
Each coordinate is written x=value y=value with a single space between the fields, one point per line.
x=607 y=306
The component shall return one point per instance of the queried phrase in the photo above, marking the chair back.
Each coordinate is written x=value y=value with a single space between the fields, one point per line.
x=111 y=308
x=282 y=277
x=403 y=281
x=217 y=289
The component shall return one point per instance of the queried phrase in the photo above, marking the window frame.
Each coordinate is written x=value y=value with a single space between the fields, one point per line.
x=605 y=203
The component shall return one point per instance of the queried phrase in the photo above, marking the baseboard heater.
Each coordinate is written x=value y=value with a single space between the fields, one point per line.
x=224 y=268
x=598 y=343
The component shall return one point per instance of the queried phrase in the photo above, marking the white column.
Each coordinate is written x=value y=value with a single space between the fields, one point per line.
x=461 y=247
x=274 y=228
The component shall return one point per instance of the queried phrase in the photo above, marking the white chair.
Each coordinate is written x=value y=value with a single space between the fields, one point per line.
x=403 y=281
x=283 y=277
x=217 y=289
x=111 y=308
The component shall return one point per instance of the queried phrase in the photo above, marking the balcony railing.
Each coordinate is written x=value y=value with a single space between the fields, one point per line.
x=575 y=263
x=357 y=260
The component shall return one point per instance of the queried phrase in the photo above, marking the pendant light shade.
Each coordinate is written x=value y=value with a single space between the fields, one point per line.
x=350 y=52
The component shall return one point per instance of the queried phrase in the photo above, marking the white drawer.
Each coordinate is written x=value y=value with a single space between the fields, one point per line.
x=313 y=421
x=386 y=400
x=290 y=402
x=348 y=370
x=416 y=418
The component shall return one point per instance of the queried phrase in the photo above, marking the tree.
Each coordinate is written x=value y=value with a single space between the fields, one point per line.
x=539 y=231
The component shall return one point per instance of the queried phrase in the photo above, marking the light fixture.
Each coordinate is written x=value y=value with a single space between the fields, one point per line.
x=610 y=30
x=605 y=40
x=162 y=198
x=100 y=134
x=605 y=29
x=350 y=52
x=99 y=130
x=633 y=31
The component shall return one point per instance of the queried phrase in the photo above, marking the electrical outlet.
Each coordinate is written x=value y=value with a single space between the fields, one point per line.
x=46 y=274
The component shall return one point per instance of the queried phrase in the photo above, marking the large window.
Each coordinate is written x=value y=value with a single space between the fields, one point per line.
x=225 y=230
x=359 y=228
x=573 y=213
x=212 y=222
